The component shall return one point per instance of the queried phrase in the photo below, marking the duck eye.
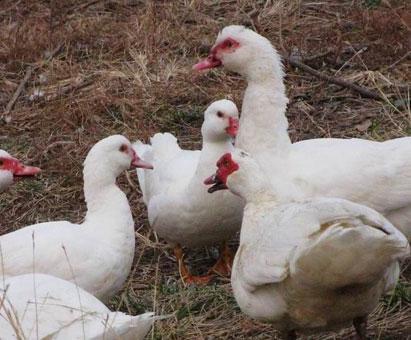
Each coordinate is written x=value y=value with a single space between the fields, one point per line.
x=220 y=114
x=228 y=43
x=1 y=162
x=123 y=148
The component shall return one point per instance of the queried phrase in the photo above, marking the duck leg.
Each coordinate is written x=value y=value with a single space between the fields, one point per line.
x=185 y=274
x=360 y=325
x=224 y=263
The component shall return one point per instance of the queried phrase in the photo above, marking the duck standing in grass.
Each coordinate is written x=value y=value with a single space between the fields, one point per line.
x=307 y=266
x=179 y=208
x=97 y=254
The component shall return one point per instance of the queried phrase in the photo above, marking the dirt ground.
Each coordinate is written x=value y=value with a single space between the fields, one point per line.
x=96 y=68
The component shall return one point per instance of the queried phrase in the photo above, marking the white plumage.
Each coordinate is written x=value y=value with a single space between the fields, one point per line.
x=39 y=306
x=179 y=208
x=309 y=265
x=376 y=174
x=96 y=254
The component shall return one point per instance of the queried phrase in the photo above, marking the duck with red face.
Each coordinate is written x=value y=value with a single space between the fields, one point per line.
x=219 y=50
x=225 y=167
x=12 y=169
x=107 y=229
x=180 y=210
x=241 y=50
x=355 y=169
x=307 y=265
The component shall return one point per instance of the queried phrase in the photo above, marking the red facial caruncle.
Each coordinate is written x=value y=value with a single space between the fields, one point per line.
x=226 y=166
x=228 y=45
x=232 y=128
x=136 y=161
x=17 y=168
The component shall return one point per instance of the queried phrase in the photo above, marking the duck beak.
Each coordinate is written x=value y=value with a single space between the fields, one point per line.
x=25 y=170
x=137 y=162
x=218 y=184
x=18 y=169
x=232 y=127
x=210 y=62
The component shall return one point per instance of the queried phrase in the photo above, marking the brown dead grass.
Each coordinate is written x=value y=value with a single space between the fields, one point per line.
x=125 y=67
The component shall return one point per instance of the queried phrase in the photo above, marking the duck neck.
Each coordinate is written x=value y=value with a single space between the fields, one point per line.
x=251 y=184
x=263 y=124
x=211 y=152
x=259 y=192
x=107 y=205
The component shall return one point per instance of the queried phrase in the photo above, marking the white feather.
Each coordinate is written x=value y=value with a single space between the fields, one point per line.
x=376 y=174
x=179 y=207
x=96 y=254
x=56 y=309
x=309 y=265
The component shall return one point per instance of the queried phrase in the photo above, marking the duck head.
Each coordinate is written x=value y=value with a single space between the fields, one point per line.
x=243 y=51
x=240 y=173
x=220 y=121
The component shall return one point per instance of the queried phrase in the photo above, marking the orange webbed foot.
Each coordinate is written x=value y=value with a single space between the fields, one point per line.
x=197 y=280
x=185 y=274
x=224 y=263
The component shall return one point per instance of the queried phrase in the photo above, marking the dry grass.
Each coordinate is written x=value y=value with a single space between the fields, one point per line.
x=125 y=67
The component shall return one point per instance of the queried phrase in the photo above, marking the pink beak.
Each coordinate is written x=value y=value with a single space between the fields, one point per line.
x=211 y=62
x=137 y=162
x=19 y=169
x=233 y=126
x=27 y=171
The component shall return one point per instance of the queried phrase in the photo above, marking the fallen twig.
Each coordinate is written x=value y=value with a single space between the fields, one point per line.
x=5 y=116
x=362 y=90
x=399 y=60
x=77 y=84
x=29 y=71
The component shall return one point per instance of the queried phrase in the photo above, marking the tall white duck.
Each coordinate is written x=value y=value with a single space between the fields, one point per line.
x=39 y=306
x=376 y=174
x=307 y=266
x=11 y=168
x=179 y=208
x=96 y=254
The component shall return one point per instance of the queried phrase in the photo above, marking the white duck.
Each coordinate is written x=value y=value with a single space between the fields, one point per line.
x=179 y=208
x=39 y=306
x=310 y=265
x=11 y=168
x=97 y=254
x=376 y=174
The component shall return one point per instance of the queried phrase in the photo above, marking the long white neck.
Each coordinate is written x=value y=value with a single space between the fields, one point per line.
x=263 y=124
x=255 y=186
x=210 y=154
x=108 y=209
x=254 y=190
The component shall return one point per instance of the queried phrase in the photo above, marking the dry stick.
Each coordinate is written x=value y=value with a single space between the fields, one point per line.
x=5 y=116
x=399 y=60
x=292 y=60
x=362 y=90
x=16 y=94
x=70 y=87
